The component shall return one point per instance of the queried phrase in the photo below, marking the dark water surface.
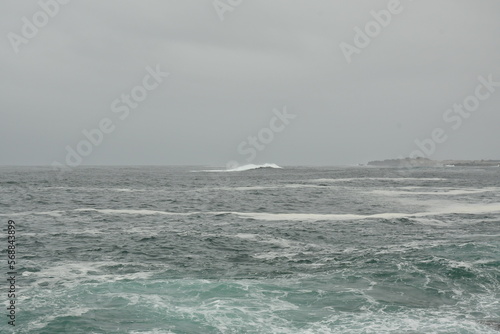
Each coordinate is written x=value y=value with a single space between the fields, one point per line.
x=294 y=250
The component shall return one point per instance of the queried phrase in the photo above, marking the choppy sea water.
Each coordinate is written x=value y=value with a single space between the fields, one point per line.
x=293 y=250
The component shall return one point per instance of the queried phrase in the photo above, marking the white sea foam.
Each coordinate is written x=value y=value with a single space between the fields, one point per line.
x=408 y=246
x=267 y=309
x=94 y=189
x=385 y=179
x=252 y=188
x=437 y=192
x=87 y=231
x=249 y=188
x=280 y=242
x=42 y=322
x=28 y=213
x=243 y=168
x=452 y=209
x=246 y=236
x=274 y=255
x=315 y=217
x=71 y=274
x=298 y=186
x=438 y=208
x=290 y=248
x=134 y=212
x=435 y=208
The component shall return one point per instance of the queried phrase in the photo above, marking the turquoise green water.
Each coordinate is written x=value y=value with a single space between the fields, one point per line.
x=294 y=250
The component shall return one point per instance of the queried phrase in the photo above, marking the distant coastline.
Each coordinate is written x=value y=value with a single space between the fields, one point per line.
x=424 y=162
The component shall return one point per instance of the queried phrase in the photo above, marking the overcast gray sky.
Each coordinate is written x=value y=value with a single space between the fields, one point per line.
x=226 y=77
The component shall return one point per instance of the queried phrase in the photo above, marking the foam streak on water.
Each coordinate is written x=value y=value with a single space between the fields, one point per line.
x=259 y=250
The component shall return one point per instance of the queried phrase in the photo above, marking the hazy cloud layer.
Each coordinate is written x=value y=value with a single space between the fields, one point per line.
x=226 y=77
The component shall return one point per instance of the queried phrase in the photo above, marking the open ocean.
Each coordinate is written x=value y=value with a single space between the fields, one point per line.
x=293 y=250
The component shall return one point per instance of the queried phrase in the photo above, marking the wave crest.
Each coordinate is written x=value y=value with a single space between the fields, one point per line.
x=242 y=168
x=252 y=166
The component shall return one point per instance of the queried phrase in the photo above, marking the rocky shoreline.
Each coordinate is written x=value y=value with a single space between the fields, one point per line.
x=424 y=162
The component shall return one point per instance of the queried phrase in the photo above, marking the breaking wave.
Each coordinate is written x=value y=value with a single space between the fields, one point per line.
x=251 y=167
x=244 y=168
